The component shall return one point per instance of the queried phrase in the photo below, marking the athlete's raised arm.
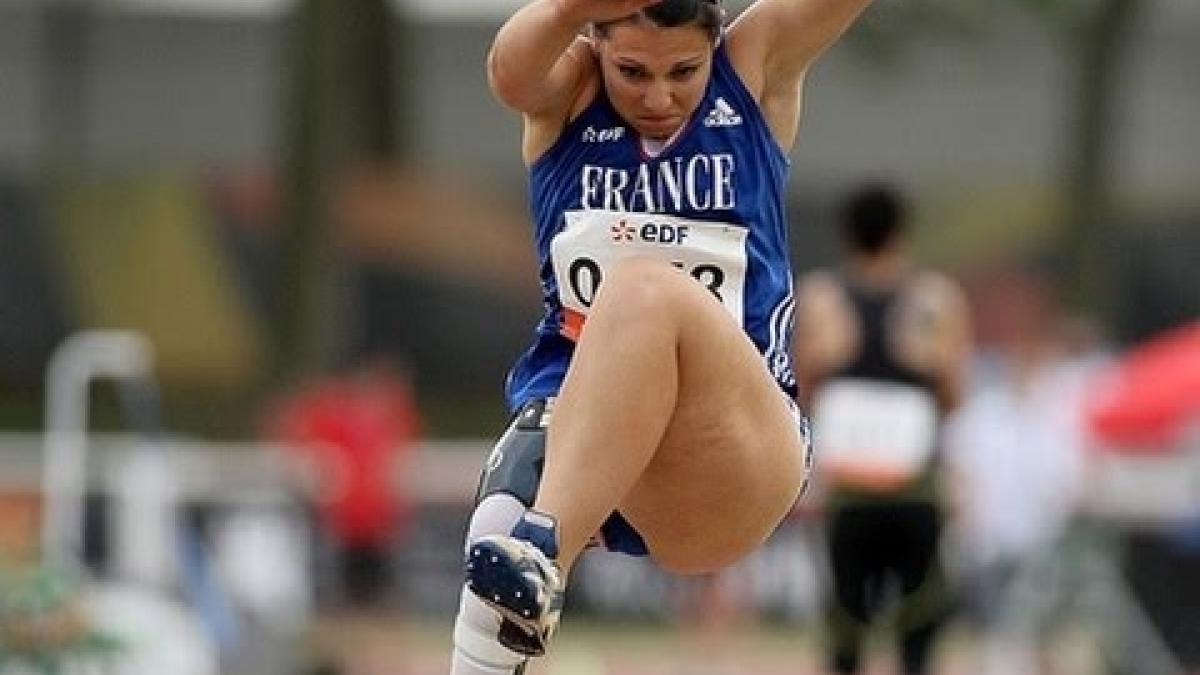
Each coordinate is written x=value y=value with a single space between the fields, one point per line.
x=537 y=62
x=786 y=36
x=773 y=43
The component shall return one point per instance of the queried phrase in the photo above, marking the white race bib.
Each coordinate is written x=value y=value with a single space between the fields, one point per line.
x=593 y=240
x=873 y=434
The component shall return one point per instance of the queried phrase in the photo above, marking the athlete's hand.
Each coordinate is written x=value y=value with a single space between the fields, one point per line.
x=601 y=10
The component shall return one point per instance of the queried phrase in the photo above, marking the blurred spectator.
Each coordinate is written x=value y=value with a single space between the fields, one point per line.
x=881 y=349
x=1016 y=446
x=20 y=528
x=1143 y=415
x=355 y=429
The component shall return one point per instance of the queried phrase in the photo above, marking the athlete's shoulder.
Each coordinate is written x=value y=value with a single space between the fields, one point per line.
x=826 y=331
x=938 y=290
x=820 y=293
x=818 y=283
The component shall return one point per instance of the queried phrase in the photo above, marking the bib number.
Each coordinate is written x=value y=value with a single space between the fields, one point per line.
x=592 y=241
x=585 y=275
x=874 y=434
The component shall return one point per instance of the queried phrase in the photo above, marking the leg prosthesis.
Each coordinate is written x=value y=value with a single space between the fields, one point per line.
x=513 y=596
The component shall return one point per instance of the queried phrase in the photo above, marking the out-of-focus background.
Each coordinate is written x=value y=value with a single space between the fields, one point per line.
x=264 y=263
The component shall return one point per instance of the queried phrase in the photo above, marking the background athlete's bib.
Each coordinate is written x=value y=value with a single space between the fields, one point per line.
x=593 y=240
x=871 y=434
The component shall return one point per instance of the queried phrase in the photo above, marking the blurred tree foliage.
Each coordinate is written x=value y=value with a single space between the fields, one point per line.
x=341 y=113
x=1093 y=39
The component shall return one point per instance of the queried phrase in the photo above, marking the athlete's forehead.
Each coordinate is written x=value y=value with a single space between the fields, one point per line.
x=646 y=45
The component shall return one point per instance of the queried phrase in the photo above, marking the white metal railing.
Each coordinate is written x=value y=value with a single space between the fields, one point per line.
x=443 y=471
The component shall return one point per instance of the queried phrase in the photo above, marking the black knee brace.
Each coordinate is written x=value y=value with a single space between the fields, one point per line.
x=515 y=463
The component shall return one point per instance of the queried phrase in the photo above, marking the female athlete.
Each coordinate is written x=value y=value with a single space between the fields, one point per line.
x=654 y=412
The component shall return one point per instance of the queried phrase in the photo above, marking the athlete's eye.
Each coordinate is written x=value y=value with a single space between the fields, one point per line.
x=632 y=72
x=684 y=72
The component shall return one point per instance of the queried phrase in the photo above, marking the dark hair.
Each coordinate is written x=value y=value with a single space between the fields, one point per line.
x=704 y=14
x=872 y=217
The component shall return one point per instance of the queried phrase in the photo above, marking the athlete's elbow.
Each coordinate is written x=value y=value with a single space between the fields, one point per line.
x=495 y=75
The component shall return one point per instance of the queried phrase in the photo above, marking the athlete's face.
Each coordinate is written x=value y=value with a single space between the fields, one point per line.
x=654 y=76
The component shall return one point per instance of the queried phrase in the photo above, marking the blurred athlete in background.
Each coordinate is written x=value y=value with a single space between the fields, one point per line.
x=882 y=351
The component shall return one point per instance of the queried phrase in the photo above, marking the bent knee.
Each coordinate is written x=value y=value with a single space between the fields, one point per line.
x=645 y=287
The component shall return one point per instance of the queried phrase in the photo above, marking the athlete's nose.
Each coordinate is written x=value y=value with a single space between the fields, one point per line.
x=657 y=97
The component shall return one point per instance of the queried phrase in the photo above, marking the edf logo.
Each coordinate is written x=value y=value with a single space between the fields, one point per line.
x=663 y=233
x=622 y=231
x=594 y=135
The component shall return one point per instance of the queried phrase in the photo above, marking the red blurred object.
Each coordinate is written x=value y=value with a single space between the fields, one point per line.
x=1151 y=396
x=355 y=428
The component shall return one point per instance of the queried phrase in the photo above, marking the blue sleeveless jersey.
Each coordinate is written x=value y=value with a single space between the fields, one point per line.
x=733 y=171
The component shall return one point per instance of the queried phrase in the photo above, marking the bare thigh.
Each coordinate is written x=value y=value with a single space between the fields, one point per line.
x=730 y=465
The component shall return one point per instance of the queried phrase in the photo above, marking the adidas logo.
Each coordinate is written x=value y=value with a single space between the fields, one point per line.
x=722 y=115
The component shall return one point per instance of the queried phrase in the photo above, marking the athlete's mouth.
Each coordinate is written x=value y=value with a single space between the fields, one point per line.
x=656 y=125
